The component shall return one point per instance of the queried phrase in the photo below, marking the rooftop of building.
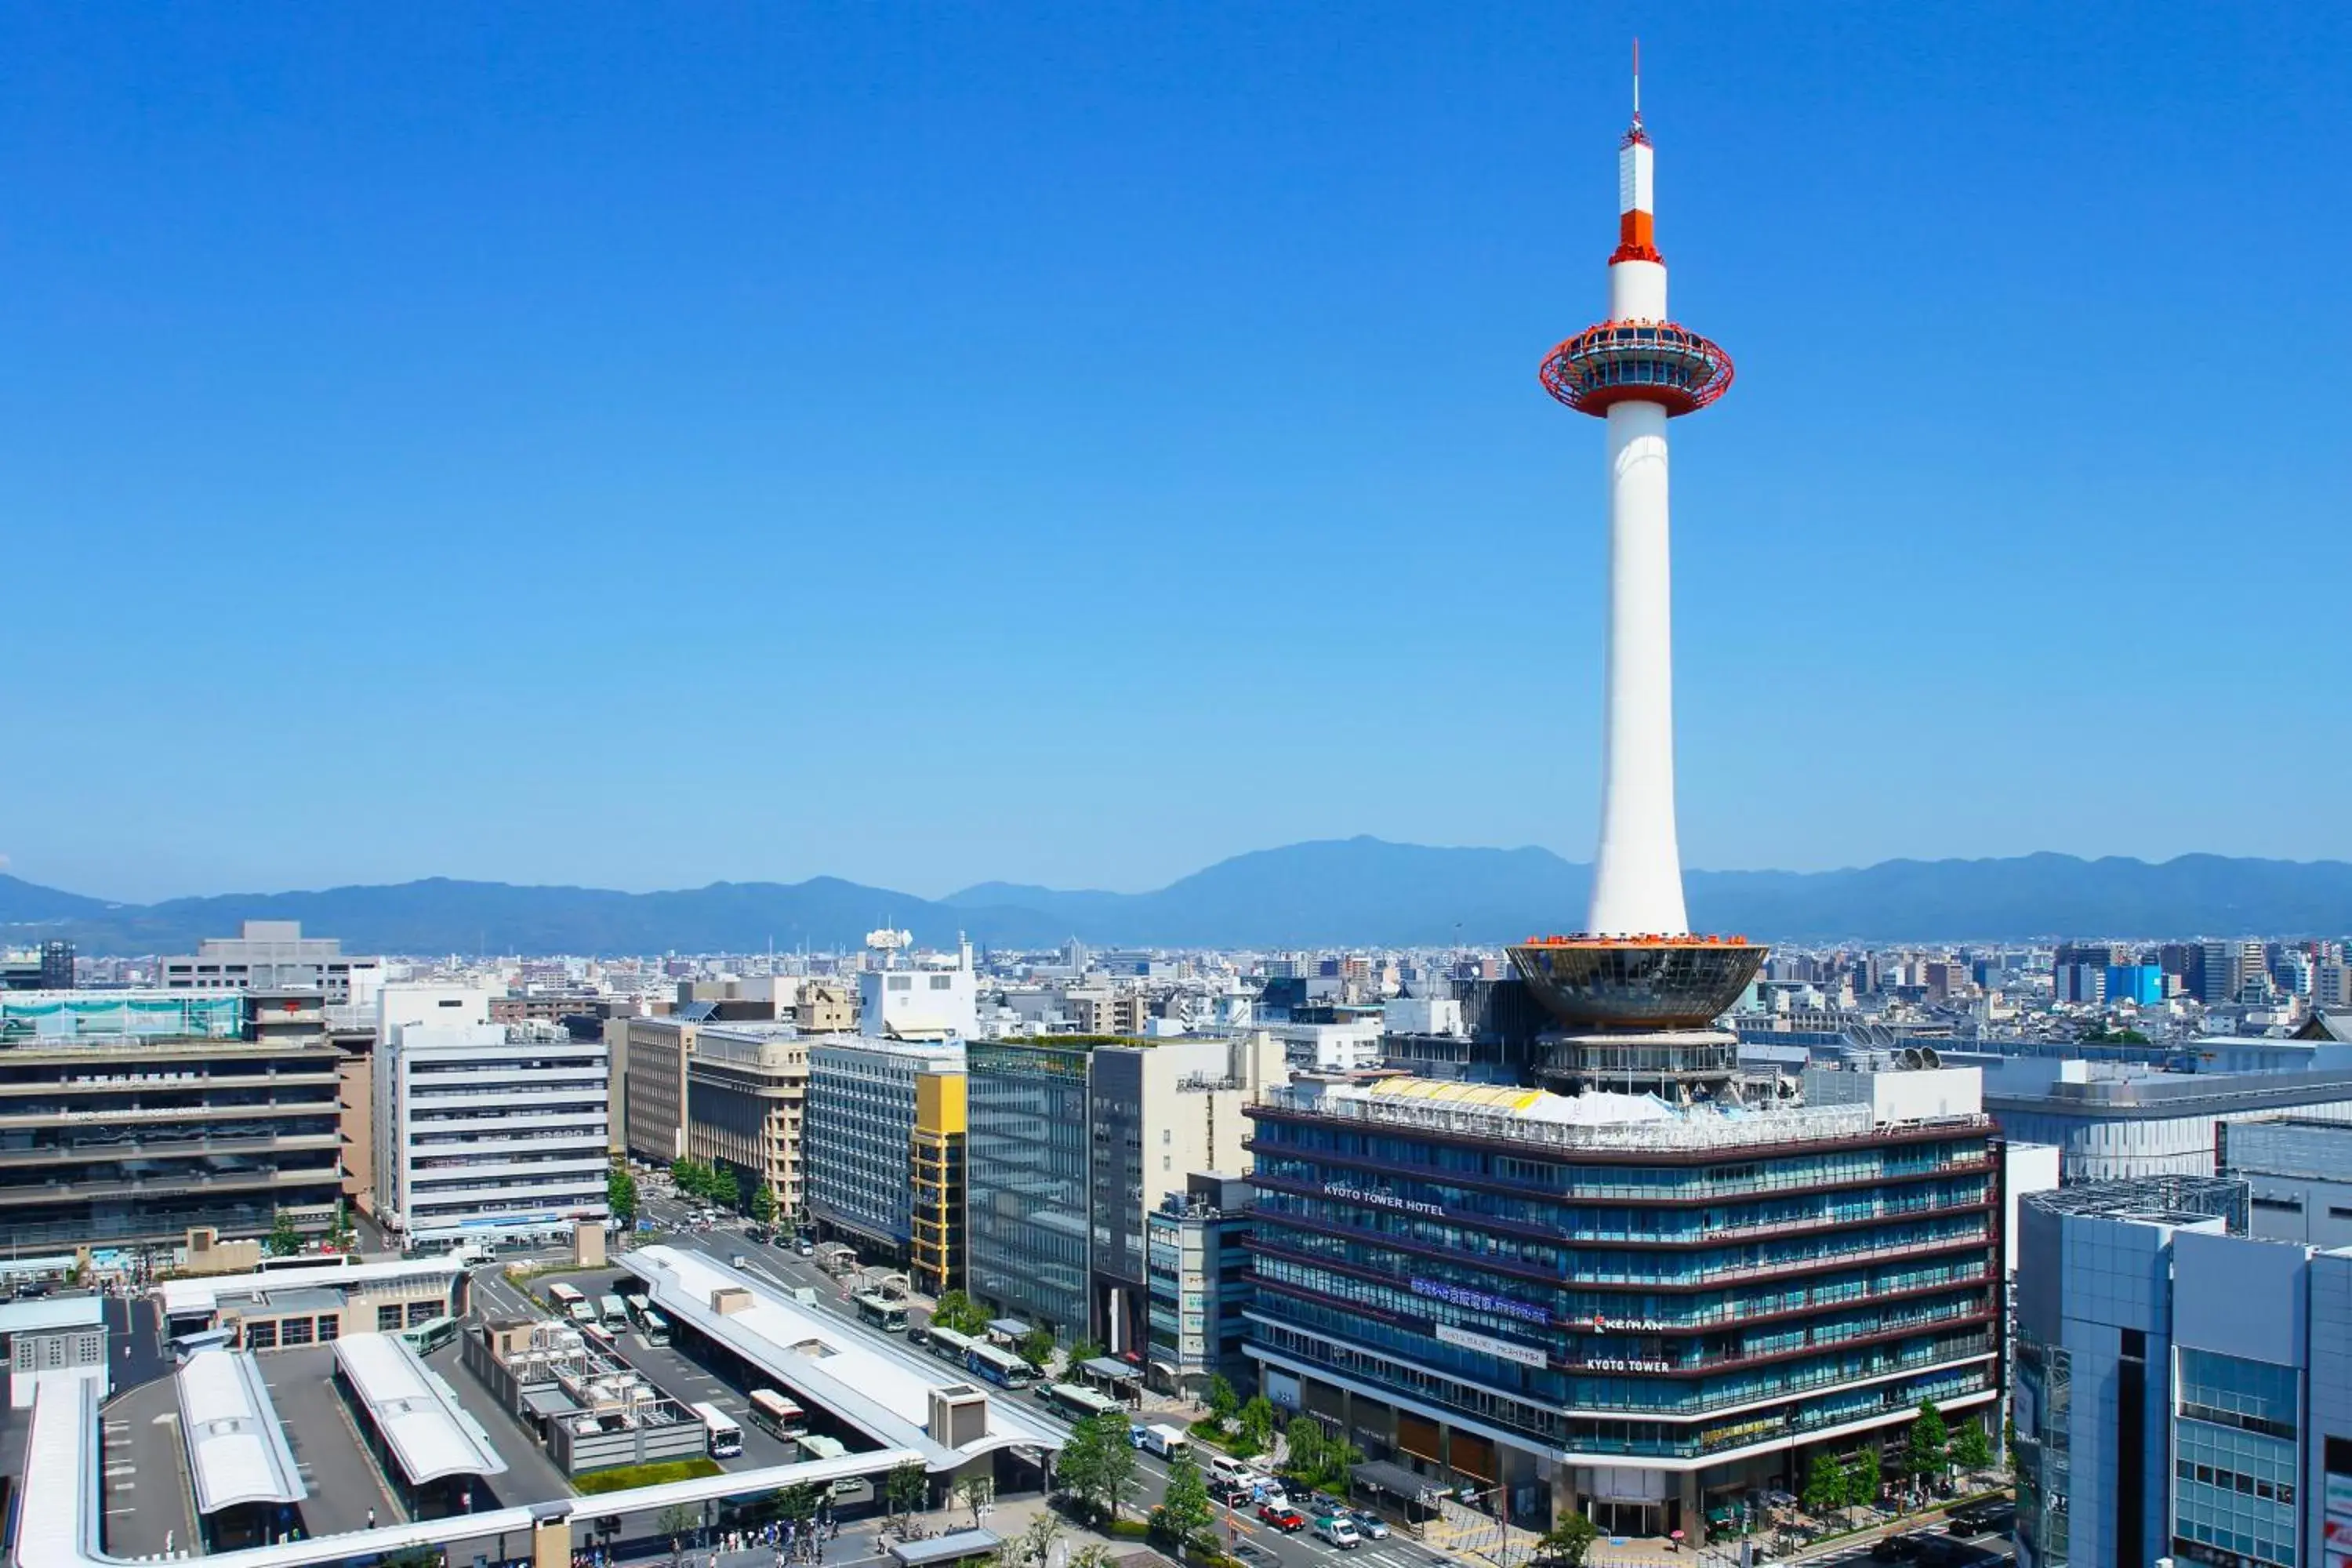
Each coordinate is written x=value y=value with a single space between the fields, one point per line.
x=187 y=1297
x=52 y=1313
x=2295 y=1146
x=420 y=1419
x=237 y=1449
x=2164 y=1200
x=824 y=1363
x=1598 y=1120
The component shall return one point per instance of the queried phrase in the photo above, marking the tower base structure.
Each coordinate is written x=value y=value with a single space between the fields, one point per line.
x=1638 y=1013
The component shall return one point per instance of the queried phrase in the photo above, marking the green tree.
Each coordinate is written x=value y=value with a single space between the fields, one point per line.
x=686 y=1176
x=1036 y=1348
x=621 y=1194
x=1095 y=1556
x=1098 y=1463
x=1037 y=1539
x=677 y=1521
x=976 y=1492
x=958 y=1313
x=1971 y=1450
x=1861 y=1478
x=764 y=1206
x=1257 y=1424
x=1341 y=1457
x=1222 y=1400
x=798 y=1502
x=906 y=1488
x=1186 y=1513
x=1086 y=1348
x=1825 y=1485
x=284 y=1241
x=1924 y=1452
x=1568 y=1542
x=1304 y=1438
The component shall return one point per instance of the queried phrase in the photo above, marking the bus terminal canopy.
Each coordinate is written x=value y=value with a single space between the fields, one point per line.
x=881 y=1389
x=1109 y=1369
x=953 y=1547
x=1010 y=1328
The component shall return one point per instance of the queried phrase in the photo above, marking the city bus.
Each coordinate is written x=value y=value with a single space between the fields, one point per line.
x=430 y=1335
x=726 y=1433
x=656 y=1328
x=611 y=1313
x=889 y=1316
x=1077 y=1403
x=563 y=1297
x=1000 y=1367
x=638 y=1307
x=948 y=1345
x=777 y=1413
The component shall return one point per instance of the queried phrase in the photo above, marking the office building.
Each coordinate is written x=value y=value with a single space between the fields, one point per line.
x=728 y=1095
x=1200 y=1288
x=47 y=967
x=1071 y=1144
x=2227 y=968
x=2121 y=1121
x=485 y=1130
x=133 y=1140
x=916 y=1003
x=1451 y=1274
x=746 y=1090
x=2182 y=1389
x=274 y=955
x=2298 y=1172
x=860 y=1122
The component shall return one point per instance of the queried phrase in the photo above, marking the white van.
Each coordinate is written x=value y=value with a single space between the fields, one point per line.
x=1165 y=1441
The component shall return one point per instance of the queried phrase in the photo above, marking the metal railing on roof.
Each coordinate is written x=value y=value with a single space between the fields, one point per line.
x=1700 y=1130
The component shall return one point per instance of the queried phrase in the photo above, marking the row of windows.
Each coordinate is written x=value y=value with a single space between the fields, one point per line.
x=1363 y=1244
x=1404 y=1153
x=2235 y=1481
x=1366 y=1199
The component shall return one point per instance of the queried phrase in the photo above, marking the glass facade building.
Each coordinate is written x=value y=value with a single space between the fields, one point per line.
x=2182 y=1389
x=1026 y=1173
x=1599 y=1304
x=859 y=1127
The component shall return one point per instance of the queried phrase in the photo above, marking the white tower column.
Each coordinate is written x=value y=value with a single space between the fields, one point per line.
x=1637 y=877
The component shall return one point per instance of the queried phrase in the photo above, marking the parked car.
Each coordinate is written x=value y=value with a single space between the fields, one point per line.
x=1283 y=1516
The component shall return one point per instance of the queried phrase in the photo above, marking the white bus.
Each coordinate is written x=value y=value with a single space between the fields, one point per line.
x=777 y=1413
x=1078 y=1404
x=656 y=1328
x=1000 y=1367
x=725 y=1432
x=563 y=1297
x=638 y=1307
x=885 y=1314
x=612 y=1314
x=430 y=1335
x=948 y=1345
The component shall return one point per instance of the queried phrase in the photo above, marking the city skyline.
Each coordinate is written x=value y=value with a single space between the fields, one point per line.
x=794 y=380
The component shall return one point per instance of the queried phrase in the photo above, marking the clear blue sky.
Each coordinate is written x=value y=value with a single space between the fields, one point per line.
x=641 y=446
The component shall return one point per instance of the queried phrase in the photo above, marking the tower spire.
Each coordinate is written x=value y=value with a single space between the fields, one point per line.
x=1637 y=83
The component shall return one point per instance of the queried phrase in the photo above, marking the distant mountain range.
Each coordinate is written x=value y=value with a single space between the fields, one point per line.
x=1357 y=890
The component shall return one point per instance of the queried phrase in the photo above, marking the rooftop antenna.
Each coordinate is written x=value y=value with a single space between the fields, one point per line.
x=1637 y=82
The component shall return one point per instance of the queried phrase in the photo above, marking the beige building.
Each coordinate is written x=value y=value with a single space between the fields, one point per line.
x=746 y=1086
x=730 y=1095
x=288 y=1307
x=825 y=1007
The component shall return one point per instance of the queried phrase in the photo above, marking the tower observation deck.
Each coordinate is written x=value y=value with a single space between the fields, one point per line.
x=1637 y=989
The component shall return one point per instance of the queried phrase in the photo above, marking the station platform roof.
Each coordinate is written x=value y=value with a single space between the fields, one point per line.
x=414 y=1411
x=237 y=1451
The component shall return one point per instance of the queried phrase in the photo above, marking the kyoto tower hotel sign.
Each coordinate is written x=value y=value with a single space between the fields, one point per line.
x=1636 y=967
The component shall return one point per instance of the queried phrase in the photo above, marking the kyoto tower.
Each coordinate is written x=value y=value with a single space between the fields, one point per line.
x=1637 y=989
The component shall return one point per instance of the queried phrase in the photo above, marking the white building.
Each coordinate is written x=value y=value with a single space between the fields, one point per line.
x=482 y=1129
x=919 y=1004
x=274 y=955
x=1329 y=1048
